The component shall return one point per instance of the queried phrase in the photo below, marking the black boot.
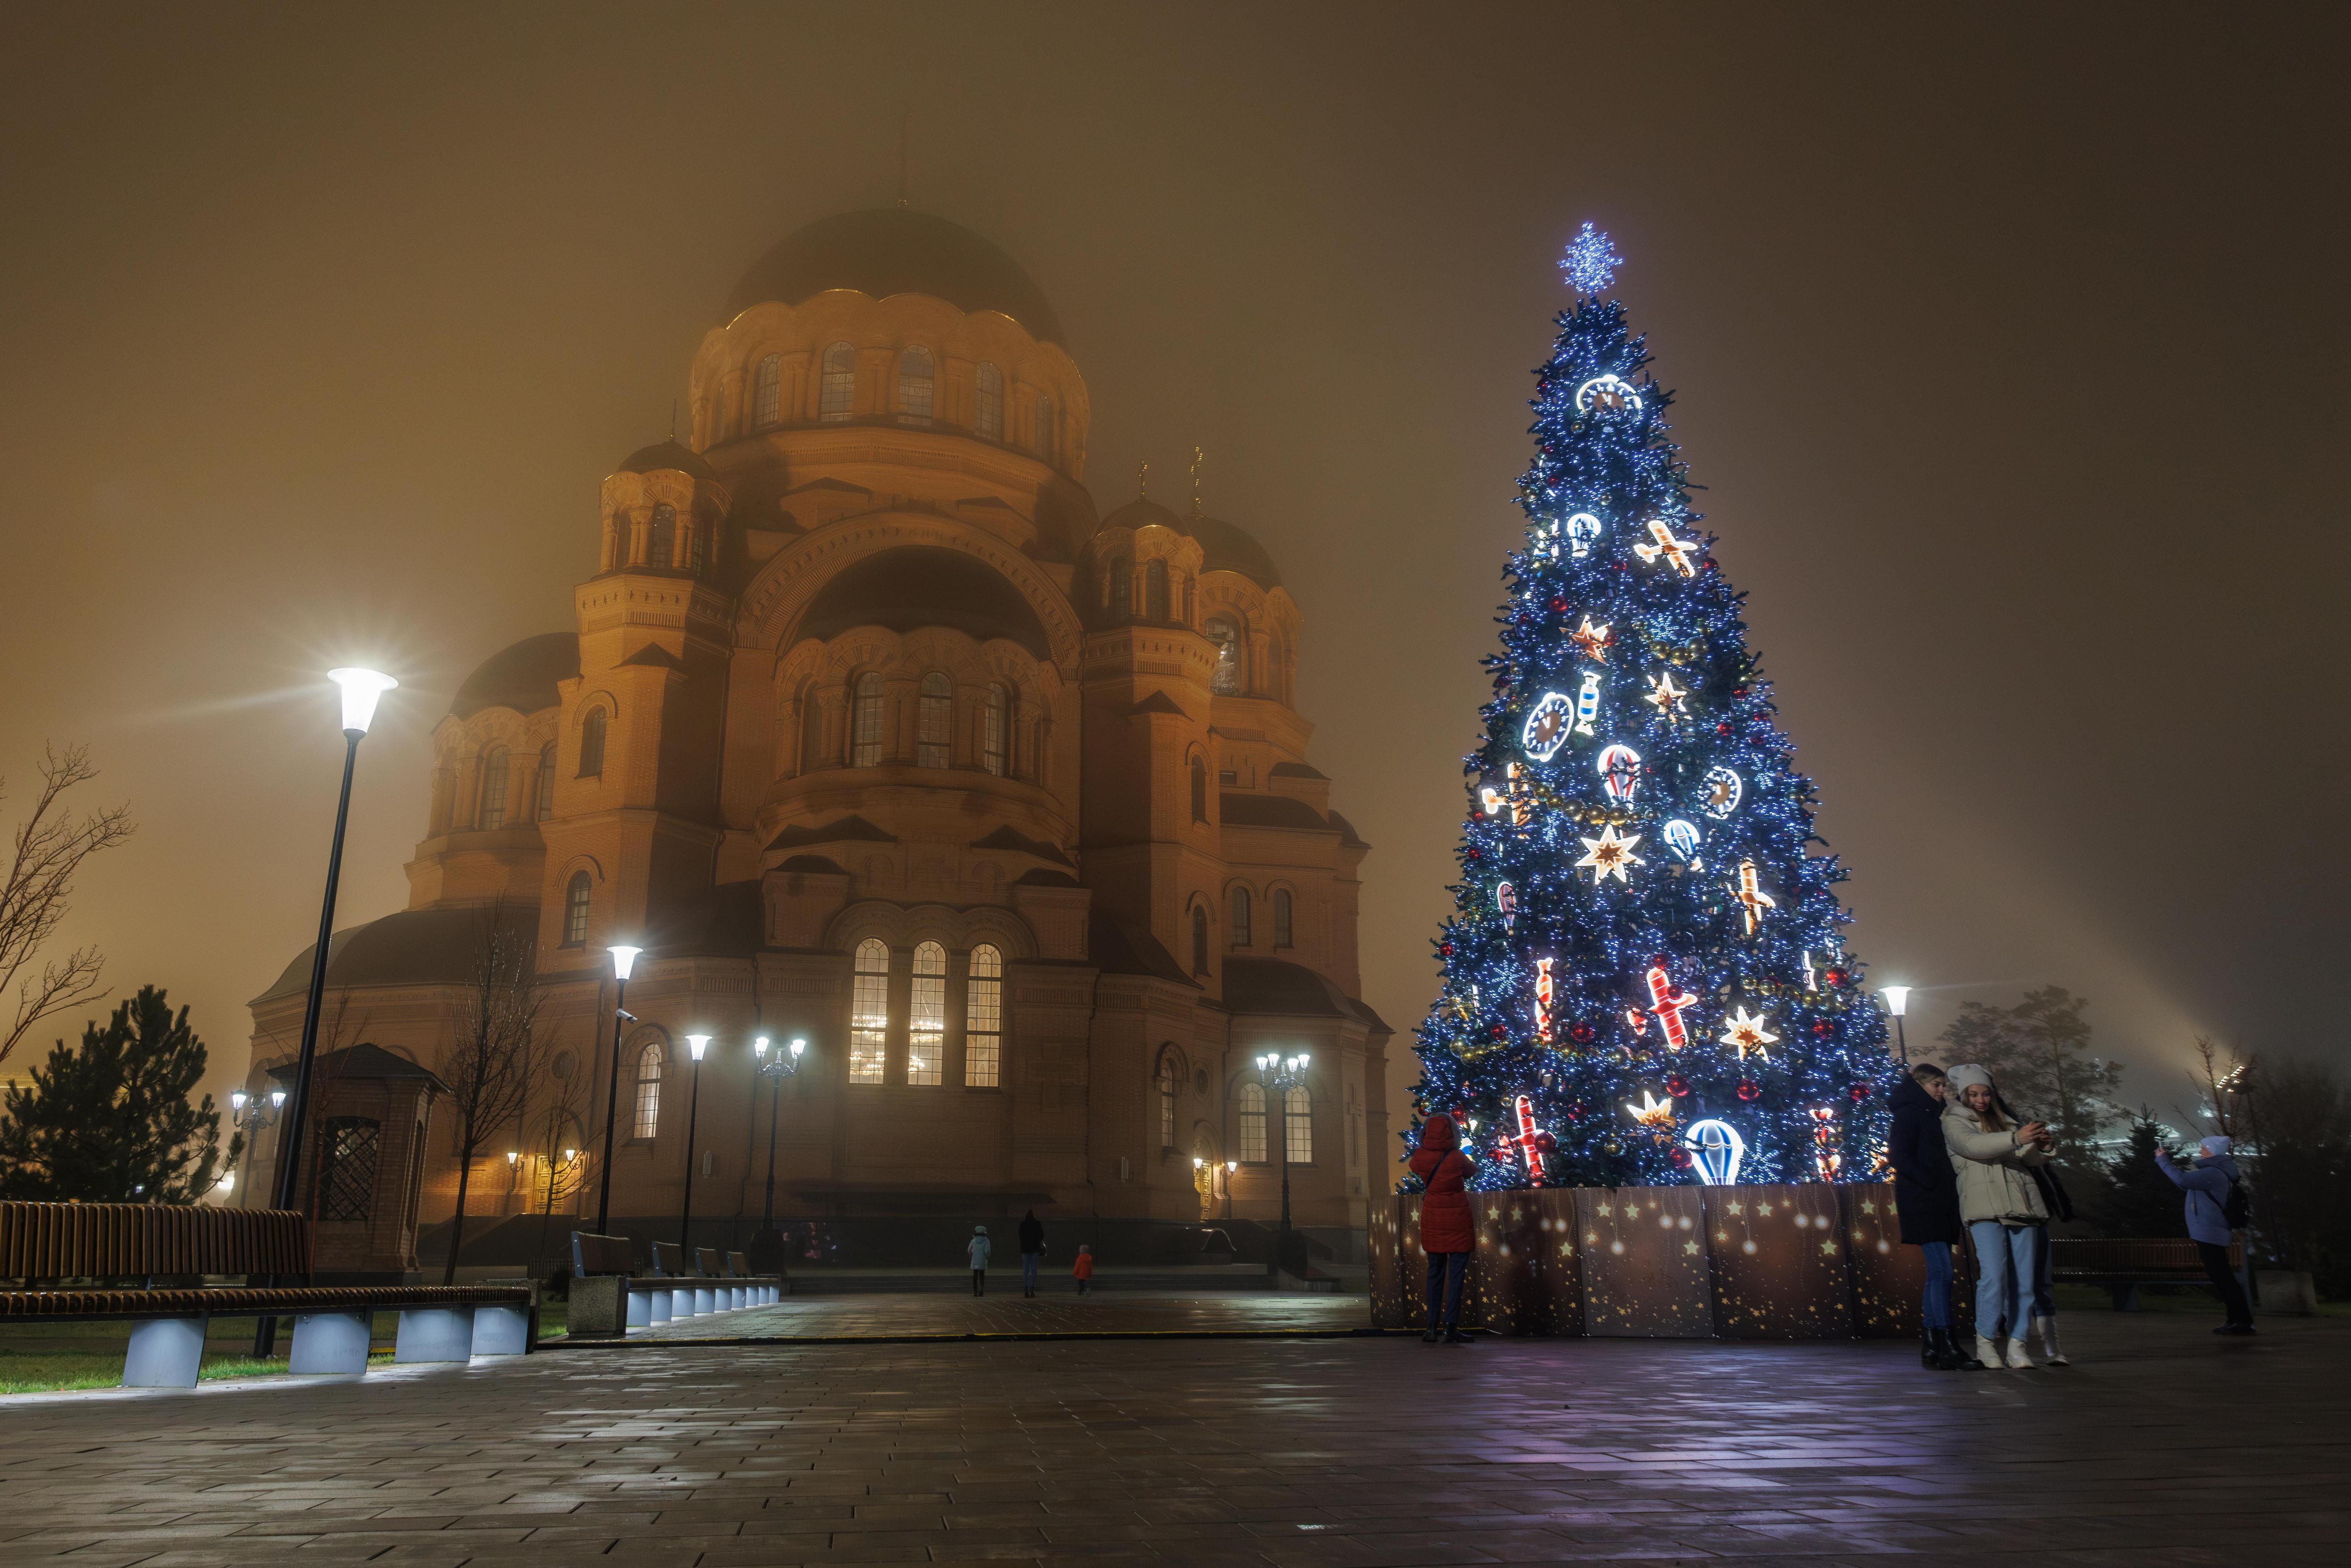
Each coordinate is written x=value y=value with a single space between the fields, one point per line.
x=1930 y=1351
x=1946 y=1354
x=1434 y=1335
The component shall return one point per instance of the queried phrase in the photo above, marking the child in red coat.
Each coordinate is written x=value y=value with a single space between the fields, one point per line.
x=1447 y=1234
x=1084 y=1267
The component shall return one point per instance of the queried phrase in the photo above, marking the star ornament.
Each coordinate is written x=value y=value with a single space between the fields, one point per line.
x=1610 y=855
x=1591 y=261
x=1652 y=1112
x=1593 y=640
x=1745 y=1031
x=1665 y=696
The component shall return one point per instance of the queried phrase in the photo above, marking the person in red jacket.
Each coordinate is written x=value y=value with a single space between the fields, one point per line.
x=1447 y=1234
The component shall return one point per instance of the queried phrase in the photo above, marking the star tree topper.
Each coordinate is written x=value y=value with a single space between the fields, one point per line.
x=1591 y=261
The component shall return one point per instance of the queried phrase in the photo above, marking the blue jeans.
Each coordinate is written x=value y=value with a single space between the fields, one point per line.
x=1028 y=1261
x=2009 y=1261
x=1938 y=1284
x=1445 y=1273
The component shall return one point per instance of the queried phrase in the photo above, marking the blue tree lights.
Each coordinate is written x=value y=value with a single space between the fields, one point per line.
x=1644 y=978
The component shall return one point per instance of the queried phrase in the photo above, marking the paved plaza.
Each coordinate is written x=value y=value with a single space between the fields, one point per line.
x=2162 y=1447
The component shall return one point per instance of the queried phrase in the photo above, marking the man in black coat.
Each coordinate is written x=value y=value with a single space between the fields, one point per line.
x=1927 y=1196
x=1033 y=1251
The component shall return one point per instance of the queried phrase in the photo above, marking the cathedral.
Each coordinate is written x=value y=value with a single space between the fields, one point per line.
x=873 y=733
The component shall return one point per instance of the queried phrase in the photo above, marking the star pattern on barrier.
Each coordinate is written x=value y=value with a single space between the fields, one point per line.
x=1689 y=1248
x=1665 y=696
x=1593 y=640
x=1609 y=855
x=1591 y=261
x=1745 y=1031
x=1828 y=1249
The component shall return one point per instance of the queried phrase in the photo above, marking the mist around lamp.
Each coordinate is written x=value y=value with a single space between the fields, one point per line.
x=361 y=690
x=1897 y=1002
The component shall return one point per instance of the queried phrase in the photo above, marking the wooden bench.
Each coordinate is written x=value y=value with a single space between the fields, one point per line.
x=2124 y=1264
x=59 y=1242
x=610 y=1294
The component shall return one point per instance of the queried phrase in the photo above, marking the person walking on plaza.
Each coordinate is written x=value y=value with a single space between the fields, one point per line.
x=1447 y=1234
x=2211 y=1184
x=1926 y=1201
x=978 y=1250
x=1033 y=1251
x=1082 y=1270
x=1994 y=1155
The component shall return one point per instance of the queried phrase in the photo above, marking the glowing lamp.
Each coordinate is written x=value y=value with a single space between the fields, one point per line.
x=569 y=1155
x=513 y=1157
x=760 y=1048
x=1232 y=1167
x=623 y=960
x=361 y=688
x=799 y=1046
x=1898 y=998
x=277 y=1099
x=228 y=1182
x=237 y=1099
x=697 y=1043
x=1198 y=1161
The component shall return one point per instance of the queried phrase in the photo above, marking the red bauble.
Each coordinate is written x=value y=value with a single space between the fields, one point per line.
x=1835 y=977
x=1499 y=1032
x=1581 y=1033
x=1677 y=1086
x=1545 y=1144
x=1445 y=949
x=1575 y=1111
x=1469 y=854
x=1723 y=728
x=1822 y=1029
x=1738 y=690
x=1858 y=1093
x=1559 y=607
x=1681 y=1159
x=1748 y=1090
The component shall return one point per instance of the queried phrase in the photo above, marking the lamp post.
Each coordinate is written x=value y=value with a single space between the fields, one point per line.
x=361 y=690
x=1281 y=1074
x=775 y=1070
x=696 y=1043
x=1897 y=1002
x=623 y=959
x=1232 y=1169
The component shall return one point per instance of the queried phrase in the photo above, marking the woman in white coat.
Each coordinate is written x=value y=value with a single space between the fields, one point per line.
x=2007 y=1220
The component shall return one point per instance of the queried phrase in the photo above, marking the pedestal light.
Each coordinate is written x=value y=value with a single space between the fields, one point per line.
x=697 y=1044
x=1281 y=1074
x=1897 y=1002
x=623 y=960
x=775 y=1066
x=361 y=690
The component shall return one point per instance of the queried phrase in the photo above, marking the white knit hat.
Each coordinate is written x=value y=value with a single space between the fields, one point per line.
x=2215 y=1146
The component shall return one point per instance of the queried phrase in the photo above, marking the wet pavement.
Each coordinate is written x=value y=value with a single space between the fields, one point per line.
x=1007 y=1312
x=2161 y=1448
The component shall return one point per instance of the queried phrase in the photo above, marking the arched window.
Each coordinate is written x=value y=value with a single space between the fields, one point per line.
x=498 y=777
x=996 y=731
x=988 y=416
x=768 y=391
x=697 y=547
x=544 y=807
x=1232 y=676
x=1276 y=673
x=575 y=910
x=660 y=536
x=1199 y=790
x=837 y=397
x=1167 y=1102
x=914 y=384
x=1155 y=590
x=649 y=1081
x=1045 y=432
x=865 y=721
x=1240 y=917
x=983 y=1020
x=927 y=1015
x=1122 y=588
x=1252 y=1123
x=1282 y=927
x=811 y=730
x=1199 y=940
x=591 y=744
x=869 y=1012
x=1298 y=1127
x=717 y=416
x=935 y=721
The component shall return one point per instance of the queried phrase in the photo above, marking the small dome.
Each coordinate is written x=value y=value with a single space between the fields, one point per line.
x=667 y=455
x=1142 y=512
x=920 y=586
x=1223 y=548
x=522 y=677
x=895 y=250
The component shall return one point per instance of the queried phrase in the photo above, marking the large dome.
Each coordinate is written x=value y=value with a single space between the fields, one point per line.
x=895 y=250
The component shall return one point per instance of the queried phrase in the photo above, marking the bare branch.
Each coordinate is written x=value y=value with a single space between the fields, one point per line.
x=50 y=847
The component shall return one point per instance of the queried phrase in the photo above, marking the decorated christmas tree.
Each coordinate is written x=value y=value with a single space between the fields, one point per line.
x=1644 y=978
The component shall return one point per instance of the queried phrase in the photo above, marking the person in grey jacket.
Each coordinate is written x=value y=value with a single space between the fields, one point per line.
x=2007 y=1218
x=2207 y=1184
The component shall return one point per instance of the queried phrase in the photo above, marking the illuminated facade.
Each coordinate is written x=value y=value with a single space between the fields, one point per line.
x=872 y=731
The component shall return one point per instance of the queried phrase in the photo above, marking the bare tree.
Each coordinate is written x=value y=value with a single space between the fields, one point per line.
x=2223 y=1075
x=489 y=1066
x=561 y=1151
x=51 y=845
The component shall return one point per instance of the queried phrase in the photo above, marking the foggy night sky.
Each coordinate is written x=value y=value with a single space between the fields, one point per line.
x=2010 y=345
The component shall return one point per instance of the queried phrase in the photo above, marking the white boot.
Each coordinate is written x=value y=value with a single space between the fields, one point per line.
x=2047 y=1329
x=1987 y=1354
x=2017 y=1358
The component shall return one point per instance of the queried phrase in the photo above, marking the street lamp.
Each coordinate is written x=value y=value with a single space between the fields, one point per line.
x=1232 y=1169
x=696 y=1043
x=625 y=958
x=775 y=1070
x=361 y=689
x=1281 y=1074
x=1897 y=1002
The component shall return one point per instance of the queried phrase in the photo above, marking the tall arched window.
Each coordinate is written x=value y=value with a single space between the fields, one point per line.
x=591 y=744
x=649 y=1081
x=839 y=395
x=544 y=807
x=1232 y=676
x=1045 y=431
x=768 y=391
x=1199 y=940
x=717 y=416
x=1199 y=790
x=811 y=730
x=983 y=1020
x=1252 y=1123
x=1240 y=917
x=865 y=721
x=914 y=384
x=1122 y=588
x=996 y=731
x=1167 y=1102
x=660 y=536
x=935 y=721
x=927 y=1015
x=869 y=1012
x=1298 y=1127
x=1282 y=927
x=575 y=910
x=988 y=416
x=498 y=777
x=1155 y=590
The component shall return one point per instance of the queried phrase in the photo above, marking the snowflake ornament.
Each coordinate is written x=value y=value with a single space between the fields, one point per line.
x=1591 y=261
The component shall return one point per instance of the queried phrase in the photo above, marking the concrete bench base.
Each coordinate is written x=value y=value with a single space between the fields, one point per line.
x=434 y=1334
x=330 y=1343
x=165 y=1353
